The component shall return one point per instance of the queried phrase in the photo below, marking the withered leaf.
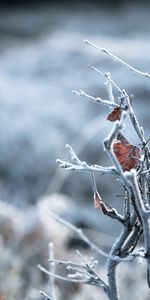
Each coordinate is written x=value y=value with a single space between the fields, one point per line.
x=122 y=139
x=97 y=200
x=127 y=155
x=115 y=114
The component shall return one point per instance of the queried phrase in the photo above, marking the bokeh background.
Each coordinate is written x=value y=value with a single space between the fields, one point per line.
x=42 y=59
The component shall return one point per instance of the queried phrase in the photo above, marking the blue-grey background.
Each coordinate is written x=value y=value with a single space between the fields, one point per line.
x=42 y=59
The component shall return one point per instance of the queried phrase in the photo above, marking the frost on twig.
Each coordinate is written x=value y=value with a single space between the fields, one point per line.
x=109 y=79
x=81 y=273
x=79 y=232
x=52 y=270
x=46 y=297
x=109 y=140
x=79 y=165
x=117 y=59
x=51 y=295
x=96 y=100
x=84 y=271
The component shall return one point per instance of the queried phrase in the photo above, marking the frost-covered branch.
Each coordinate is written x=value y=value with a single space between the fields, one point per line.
x=109 y=141
x=51 y=270
x=85 y=271
x=117 y=59
x=96 y=100
x=144 y=218
x=108 y=78
x=84 y=238
x=81 y=273
x=79 y=165
x=79 y=232
x=45 y=296
x=85 y=167
x=109 y=88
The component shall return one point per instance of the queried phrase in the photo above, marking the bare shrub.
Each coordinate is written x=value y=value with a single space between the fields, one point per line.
x=131 y=166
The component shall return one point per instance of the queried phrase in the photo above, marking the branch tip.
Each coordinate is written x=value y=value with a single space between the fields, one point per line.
x=58 y=161
x=68 y=147
x=86 y=41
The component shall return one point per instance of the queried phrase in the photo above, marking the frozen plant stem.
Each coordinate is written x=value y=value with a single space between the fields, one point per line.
x=113 y=291
x=117 y=59
x=108 y=79
x=46 y=297
x=99 y=100
x=144 y=218
x=51 y=270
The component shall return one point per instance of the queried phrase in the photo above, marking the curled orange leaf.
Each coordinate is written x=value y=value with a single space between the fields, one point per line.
x=127 y=155
x=97 y=200
x=115 y=114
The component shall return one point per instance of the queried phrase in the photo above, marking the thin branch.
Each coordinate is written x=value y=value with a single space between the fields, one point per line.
x=109 y=88
x=132 y=241
x=143 y=181
x=67 y=263
x=96 y=100
x=83 y=237
x=119 y=60
x=127 y=210
x=108 y=77
x=45 y=295
x=112 y=212
x=145 y=172
x=104 y=207
x=93 y=273
x=90 y=277
x=108 y=145
x=94 y=187
x=73 y=266
x=51 y=270
x=60 y=277
x=131 y=176
x=79 y=232
x=82 y=165
x=95 y=168
x=134 y=120
x=74 y=157
x=113 y=290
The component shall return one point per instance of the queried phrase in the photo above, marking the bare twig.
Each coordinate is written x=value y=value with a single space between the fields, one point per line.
x=79 y=232
x=109 y=140
x=119 y=60
x=83 y=237
x=60 y=277
x=108 y=78
x=134 y=120
x=45 y=296
x=109 y=88
x=95 y=168
x=88 y=276
x=144 y=217
x=96 y=100
x=79 y=165
x=52 y=270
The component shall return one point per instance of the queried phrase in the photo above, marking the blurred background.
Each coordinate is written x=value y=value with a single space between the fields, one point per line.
x=42 y=59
